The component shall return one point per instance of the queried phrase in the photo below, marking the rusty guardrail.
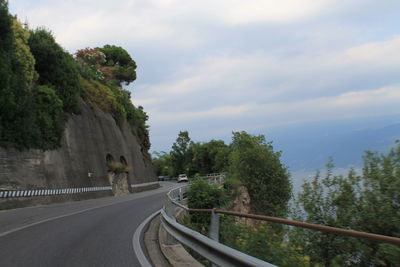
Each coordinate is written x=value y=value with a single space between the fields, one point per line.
x=208 y=248
x=329 y=229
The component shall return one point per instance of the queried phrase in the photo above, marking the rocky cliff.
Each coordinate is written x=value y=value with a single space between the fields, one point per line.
x=89 y=139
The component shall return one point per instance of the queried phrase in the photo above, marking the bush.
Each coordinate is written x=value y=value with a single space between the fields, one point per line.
x=117 y=101
x=50 y=120
x=56 y=68
x=368 y=202
x=261 y=241
x=16 y=77
x=101 y=95
x=203 y=195
x=117 y=167
x=119 y=64
x=258 y=167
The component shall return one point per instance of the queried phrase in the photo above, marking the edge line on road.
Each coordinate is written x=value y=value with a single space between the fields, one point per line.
x=60 y=216
x=136 y=241
x=55 y=218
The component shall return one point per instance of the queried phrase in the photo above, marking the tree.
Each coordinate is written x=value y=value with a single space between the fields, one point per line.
x=180 y=157
x=17 y=76
x=258 y=167
x=56 y=67
x=119 y=63
x=49 y=118
x=90 y=61
x=103 y=70
x=209 y=157
x=369 y=202
x=162 y=163
x=203 y=195
x=23 y=55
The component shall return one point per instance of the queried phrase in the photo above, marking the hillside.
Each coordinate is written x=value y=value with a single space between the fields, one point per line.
x=66 y=119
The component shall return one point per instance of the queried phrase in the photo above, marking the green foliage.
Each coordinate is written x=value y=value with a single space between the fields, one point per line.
x=202 y=195
x=180 y=154
x=16 y=118
x=101 y=95
x=23 y=55
x=37 y=76
x=30 y=117
x=90 y=61
x=135 y=116
x=120 y=63
x=161 y=162
x=103 y=71
x=56 y=68
x=195 y=158
x=231 y=184
x=49 y=123
x=116 y=100
x=260 y=241
x=209 y=157
x=258 y=167
x=369 y=203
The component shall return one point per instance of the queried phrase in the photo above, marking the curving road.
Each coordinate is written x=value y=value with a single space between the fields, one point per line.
x=96 y=232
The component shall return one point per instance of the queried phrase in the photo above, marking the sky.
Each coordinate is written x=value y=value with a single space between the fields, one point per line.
x=213 y=67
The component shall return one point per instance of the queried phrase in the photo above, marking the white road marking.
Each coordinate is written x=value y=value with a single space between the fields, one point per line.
x=136 y=241
x=74 y=213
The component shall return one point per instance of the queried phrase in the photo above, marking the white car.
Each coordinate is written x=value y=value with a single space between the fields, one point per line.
x=182 y=178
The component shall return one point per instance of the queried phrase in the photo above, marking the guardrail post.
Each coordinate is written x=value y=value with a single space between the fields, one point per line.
x=180 y=195
x=214 y=226
x=214 y=229
x=169 y=208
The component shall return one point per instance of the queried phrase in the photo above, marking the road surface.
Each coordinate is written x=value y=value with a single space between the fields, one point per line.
x=96 y=232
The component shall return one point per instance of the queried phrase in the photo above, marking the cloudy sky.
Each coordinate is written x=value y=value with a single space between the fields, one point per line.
x=211 y=67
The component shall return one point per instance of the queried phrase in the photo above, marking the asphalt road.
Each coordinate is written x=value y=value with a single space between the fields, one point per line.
x=95 y=232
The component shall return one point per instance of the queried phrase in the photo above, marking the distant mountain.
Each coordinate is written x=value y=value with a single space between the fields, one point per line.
x=309 y=147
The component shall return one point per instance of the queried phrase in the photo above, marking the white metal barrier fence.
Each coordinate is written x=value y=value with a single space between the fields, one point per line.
x=63 y=191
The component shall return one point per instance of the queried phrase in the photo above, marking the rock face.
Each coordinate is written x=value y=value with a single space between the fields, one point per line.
x=120 y=183
x=90 y=139
x=241 y=204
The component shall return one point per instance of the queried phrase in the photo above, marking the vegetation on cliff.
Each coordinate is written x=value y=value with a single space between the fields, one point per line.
x=249 y=160
x=187 y=156
x=368 y=202
x=41 y=85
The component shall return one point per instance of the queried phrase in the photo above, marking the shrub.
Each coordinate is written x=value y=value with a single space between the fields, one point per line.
x=254 y=162
x=203 y=195
x=49 y=123
x=101 y=95
x=16 y=78
x=117 y=167
x=56 y=68
x=120 y=64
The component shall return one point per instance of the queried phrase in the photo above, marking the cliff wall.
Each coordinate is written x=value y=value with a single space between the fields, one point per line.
x=87 y=140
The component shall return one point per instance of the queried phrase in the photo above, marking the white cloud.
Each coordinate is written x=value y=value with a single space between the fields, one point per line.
x=241 y=64
x=381 y=101
x=268 y=90
x=270 y=11
x=267 y=77
x=375 y=54
x=80 y=23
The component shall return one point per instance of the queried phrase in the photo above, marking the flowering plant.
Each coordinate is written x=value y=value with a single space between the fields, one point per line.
x=90 y=56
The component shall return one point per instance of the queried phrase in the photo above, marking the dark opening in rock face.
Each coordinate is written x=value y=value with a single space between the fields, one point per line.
x=109 y=158
x=123 y=161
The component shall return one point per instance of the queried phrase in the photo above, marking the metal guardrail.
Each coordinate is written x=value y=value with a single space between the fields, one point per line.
x=63 y=191
x=225 y=256
x=215 y=252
